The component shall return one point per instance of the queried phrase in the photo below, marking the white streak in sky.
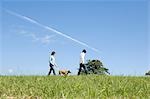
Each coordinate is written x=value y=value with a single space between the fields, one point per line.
x=53 y=30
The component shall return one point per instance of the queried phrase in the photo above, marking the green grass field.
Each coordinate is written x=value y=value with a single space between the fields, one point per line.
x=74 y=87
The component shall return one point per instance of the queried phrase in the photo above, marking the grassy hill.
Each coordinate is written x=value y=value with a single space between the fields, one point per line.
x=74 y=87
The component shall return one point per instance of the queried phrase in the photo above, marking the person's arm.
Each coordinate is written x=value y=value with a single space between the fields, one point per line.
x=82 y=58
x=54 y=62
x=49 y=60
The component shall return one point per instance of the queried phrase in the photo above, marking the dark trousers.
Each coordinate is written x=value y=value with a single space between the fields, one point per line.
x=82 y=66
x=51 y=69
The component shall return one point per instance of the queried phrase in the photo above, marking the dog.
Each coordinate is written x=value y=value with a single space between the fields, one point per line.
x=64 y=72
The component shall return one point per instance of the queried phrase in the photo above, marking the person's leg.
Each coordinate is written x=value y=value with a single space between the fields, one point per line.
x=51 y=68
x=80 y=68
x=54 y=71
x=84 y=69
x=50 y=71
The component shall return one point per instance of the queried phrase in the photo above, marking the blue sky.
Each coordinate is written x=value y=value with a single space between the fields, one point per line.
x=118 y=29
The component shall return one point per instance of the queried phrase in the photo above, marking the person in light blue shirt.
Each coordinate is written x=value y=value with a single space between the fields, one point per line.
x=52 y=63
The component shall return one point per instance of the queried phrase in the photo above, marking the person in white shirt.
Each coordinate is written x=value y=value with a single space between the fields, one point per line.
x=82 y=56
x=52 y=63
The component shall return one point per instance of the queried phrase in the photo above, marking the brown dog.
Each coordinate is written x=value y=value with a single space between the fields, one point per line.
x=64 y=72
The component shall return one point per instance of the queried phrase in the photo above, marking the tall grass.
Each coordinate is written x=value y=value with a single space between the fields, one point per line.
x=74 y=87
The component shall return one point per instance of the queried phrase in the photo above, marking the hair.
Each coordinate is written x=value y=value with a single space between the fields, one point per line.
x=53 y=52
x=84 y=51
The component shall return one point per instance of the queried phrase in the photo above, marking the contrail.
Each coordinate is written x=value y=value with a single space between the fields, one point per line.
x=53 y=30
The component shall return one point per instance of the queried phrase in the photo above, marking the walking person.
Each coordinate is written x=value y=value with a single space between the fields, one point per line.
x=52 y=63
x=82 y=57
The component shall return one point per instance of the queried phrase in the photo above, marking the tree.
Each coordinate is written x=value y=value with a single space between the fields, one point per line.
x=95 y=67
x=148 y=73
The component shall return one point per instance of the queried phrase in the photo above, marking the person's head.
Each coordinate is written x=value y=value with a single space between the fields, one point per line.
x=84 y=51
x=53 y=53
